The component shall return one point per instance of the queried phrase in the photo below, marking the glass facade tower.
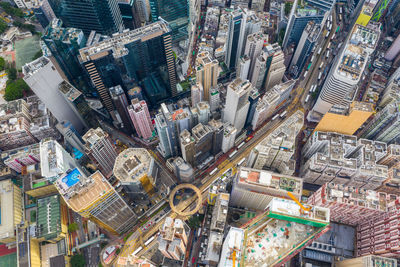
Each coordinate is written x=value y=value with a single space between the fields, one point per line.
x=175 y=12
x=102 y=16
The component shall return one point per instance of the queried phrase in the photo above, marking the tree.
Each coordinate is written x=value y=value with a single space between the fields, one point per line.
x=3 y=26
x=288 y=7
x=2 y=64
x=118 y=251
x=78 y=260
x=10 y=10
x=12 y=73
x=15 y=89
x=38 y=54
x=72 y=227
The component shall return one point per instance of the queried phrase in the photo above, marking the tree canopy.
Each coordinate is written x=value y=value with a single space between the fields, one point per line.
x=78 y=260
x=15 y=89
x=2 y=64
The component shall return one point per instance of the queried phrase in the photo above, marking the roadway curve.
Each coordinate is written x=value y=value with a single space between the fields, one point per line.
x=182 y=212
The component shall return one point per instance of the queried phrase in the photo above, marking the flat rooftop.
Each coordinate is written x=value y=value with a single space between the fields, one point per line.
x=7 y=209
x=132 y=164
x=80 y=191
x=280 y=231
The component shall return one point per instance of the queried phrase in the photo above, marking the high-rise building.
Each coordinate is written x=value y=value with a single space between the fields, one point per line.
x=143 y=56
x=54 y=160
x=228 y=140
x=390 y=94
x=260 y=67
x=94 y=198
x=71 y=136
x=304 y=48
x=254 y=45
x=181 y=169
x=138 y=173
x=340 y=84
x=102 y=16
x=64 y=45
x=140 y=116
x=173 y=239
x=130 y=16
x=349 y=205
x=101 y=150
x=21 y=157
x=325 y=5
x=202 y=111
x=121 y=107
x=11 y=209
x=206 y=72
x=243 y=67
x=44 y=80
x=237 y=103
x=175 y=12
x=254 y=189
x=276 y=150
x=236 y=33
x=275 y=66
x=187 y=144
x=220 y=212
x=346 y=121
x=394 y=50
x=253 y=99
x=385 y=125
x=43 y=12
x=218 y=130
x=299 y=16
x=342 y=159
x=214 y=99
x=196 y=93
x=370 y=260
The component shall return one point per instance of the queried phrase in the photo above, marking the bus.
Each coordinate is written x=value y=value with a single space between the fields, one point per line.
x=329 y=45
x=309 y=65
x=274 y=117
x=338 y=28
x=322 y=64
x=327 y=34
x=233 y=153
x=213 y=171
x=283 y=114
x=308 y=97
x=333 y=36
x=137 y=251
x=319 y=50
x=241 y=161
x=305 y=74
x=340 y=10
x=149 y=240
x=241 y=144
x=199 y=232
x=312 y=59
x=340 y=17
x=327 y=54
x=319 y=75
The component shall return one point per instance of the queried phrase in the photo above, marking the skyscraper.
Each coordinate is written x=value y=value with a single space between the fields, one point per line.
x=304 y=48
x=173 y=240
x=340 y=84
x=165 y=126
x=64 y=45
x=121 y=103
x=94 y=198
x=102 y=16
x=243 y=67
x=175 y=12
x=142 y=56
x=196 y=93
x=237 y=103
x=275 y=66
x=300 y=15
x=139 y=114
x=206 y=72
x=236 y=32
x=44 y=80
x=254 y=45
x=101 y=150
x=385 y=125
x=139 y=174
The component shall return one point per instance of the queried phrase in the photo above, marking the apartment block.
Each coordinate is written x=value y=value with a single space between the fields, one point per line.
x=228 y=140
x=220 y=212
x=342 y=159
x=206 y=72
x=254 y=189
x=276 y=150
x=350 y=205
x=100 y=149
x=173 y=238
x=367 y=261
x=17 y=159
x=140 y=116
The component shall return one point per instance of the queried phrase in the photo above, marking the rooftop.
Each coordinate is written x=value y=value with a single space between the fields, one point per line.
x=7 y=209
x=69 y=91
x=240 y=86
x=117 y=42
x=132 y=164
x=92 y=136
x=48 y=218
x=80 y=191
